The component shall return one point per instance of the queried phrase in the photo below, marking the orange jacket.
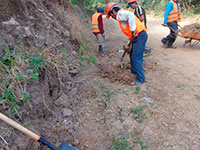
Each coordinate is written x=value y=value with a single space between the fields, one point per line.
x=174 y=15
x=95 y=26
x=139 y=28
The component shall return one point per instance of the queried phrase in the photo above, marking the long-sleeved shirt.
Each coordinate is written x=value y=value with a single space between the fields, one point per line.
x=125 y=16
x=169 y=8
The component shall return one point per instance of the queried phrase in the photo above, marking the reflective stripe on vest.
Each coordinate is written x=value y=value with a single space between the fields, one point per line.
x=174 y=15
x=139 y=28
x=95 y=25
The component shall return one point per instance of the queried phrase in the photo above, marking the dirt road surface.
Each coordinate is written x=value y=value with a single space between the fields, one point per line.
x=170 y=121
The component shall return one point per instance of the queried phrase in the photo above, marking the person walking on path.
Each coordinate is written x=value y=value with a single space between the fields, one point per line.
x=141 y=14
x=97 y=29
x=132 y=27
x=171 y=19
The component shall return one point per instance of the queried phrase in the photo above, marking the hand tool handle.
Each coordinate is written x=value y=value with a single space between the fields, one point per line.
x=125 y=50
x=19 y=127
x=26 y=131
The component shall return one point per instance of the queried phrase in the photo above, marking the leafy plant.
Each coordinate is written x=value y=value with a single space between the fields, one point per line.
x=138 y=113
x=137 y=89
x=120 y=144
x=180 y=87
x=74 y=1
x=90 y=59
x=107 y=94
x=36 y=63
x=142 y=146
x=197 y=96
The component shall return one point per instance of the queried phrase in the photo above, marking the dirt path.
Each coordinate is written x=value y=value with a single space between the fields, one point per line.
x=170 y=122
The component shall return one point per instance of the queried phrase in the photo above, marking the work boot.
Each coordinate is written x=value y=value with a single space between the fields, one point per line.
x=164 y=42
x=101 y=53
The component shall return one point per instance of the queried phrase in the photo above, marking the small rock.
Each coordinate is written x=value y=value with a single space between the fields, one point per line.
x=74 y=52
x=166 y=144
x=165 y=124
x=66 y=33
x=27 y=30
x=11 y=22
x=76 y=142
x=67 y=112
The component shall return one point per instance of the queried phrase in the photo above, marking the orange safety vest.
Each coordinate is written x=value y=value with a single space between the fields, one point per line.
x=139 y=28
x=174 y=15
x=95 y=23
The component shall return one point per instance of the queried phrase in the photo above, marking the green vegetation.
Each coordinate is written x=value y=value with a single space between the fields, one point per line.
x=89 y=59
x=74 y=1
x=137 y=89
x=17 y=69
x=180 y=87
x=142 y=146
x=93 y=5
x=157 y=6
x=106 y=96
x=121 y=143
x=197 y=97
x=138 y=113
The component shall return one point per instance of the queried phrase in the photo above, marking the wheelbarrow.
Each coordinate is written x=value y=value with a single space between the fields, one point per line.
x=191 y=37
x=63 y=146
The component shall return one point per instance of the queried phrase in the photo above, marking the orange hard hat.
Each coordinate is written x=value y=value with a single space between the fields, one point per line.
x=109 y=8
x=131 y=1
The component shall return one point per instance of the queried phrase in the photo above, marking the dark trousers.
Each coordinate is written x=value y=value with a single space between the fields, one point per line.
x=170 y=39
x=136 y=56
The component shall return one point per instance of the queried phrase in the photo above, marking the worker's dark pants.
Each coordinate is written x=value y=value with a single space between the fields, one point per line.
x=170 y=39
x=136 y=56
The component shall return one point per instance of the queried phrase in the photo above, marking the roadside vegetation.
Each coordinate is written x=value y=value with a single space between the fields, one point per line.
x=189 y=7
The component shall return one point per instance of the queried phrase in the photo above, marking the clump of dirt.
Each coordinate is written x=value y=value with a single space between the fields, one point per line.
x=192 y=30
x=116 y=74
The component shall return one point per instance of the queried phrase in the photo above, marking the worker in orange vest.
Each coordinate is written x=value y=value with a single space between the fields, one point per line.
x=141 y=14
x=172 y=16
x=135 y=30
x=97 y=29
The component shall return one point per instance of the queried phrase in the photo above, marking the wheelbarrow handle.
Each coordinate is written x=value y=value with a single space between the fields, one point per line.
x=26 y=131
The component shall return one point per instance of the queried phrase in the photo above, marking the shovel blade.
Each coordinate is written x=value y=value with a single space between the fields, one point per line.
x=66 y=146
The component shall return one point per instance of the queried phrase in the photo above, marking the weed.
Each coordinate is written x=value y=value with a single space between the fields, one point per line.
x=180 y=87
x=120 y=144
x=138 y=113
x=64 y=53
x=197 y=97
x=16 y=69
x=26 y=123
x=54 y=141
x=137 y=89
x=107 y=94
x=90 y=59
x=142 y=146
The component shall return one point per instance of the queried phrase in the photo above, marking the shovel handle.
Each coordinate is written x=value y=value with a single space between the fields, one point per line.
x=26 y=131
x=125 y=50
x=19 y=127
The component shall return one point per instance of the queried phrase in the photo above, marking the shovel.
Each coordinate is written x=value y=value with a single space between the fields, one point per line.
x=124 y=53
x=63 y=146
